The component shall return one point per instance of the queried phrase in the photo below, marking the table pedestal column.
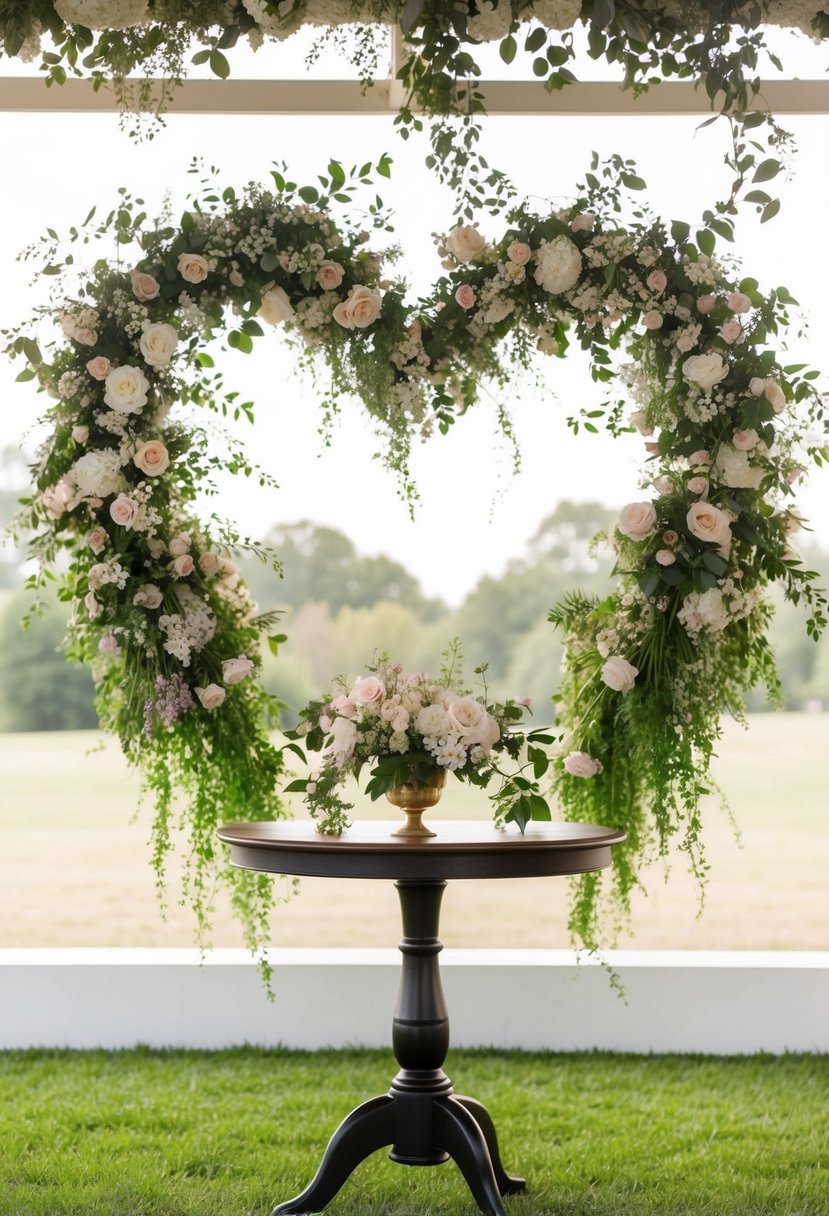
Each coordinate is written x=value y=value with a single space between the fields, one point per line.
x=421 y=1117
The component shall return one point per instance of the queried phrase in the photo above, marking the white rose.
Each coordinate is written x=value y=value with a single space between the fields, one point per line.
x=705 y=370
x=81 y=435
x=732 y=468
x=180 y=544
x=344 y=739
x=126 y=389
x=209 y=564
x=158 y=343
x=707 y=522
x=581 y=764
x=469 y=719
x=98 y=474
x=465 y=242
x=148 y=596
x=152 y=458
x=276 y=307
x=211 y=697
x=432 y=720
x=637 y=520
x=359 y=310
x=619 y=674
x=558 y=265
x=234 y=670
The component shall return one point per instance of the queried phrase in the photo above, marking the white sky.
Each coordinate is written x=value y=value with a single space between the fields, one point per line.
x=474 y=515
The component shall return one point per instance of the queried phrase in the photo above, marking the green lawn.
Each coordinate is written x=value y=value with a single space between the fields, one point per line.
x=76 y=870
x=144 y=1133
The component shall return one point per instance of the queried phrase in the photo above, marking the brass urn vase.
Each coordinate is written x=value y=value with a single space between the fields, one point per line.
x=413 y=800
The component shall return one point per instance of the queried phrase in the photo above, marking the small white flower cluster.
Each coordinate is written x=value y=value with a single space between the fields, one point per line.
x=189 y=630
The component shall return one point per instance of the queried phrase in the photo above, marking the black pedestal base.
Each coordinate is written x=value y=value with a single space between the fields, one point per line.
x=423 y=1129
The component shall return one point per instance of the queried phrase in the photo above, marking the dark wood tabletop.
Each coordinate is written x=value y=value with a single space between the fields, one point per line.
x=461 y=849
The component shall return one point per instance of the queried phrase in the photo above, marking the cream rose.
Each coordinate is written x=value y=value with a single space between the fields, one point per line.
x=581 y=764
x=465 y=296
x=126 y=389
x=738 y=302
x=209 y=564
x=519 y=252
x=619 y=674
x=275 y=307
x=465 y=242
x=664 y=557
x=705 y=370
x=639 y=419
x=148 y=596
x=183 y=566
x=81 y=435
x=757 y=386
x=707 y=522
x=234 y=670
x=637 y=520
x=152 y=458
x=652 y=319
x=775 y=396
x=180 y=543
x=329 y=275
x=359 y=310
x=124 y=511
x=99 y=367
x=657 y=281
x=211 y=697
x=469 y=719
x=144 y=286
x=97 y=539
x=367 y=691
x=731 y=331
x=584 y=221
x=158 y=343
x=193 y=268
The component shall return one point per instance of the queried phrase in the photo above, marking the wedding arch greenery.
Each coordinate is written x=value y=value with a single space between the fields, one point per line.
x=160 y=611
x=721 y=45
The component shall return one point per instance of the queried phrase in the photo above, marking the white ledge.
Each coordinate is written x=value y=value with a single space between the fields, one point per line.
x=697 y=1001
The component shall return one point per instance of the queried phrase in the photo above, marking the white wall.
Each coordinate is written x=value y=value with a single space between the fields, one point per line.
x=716 y=1002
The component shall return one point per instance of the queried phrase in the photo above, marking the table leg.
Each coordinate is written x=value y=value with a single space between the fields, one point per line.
x=420 y=1117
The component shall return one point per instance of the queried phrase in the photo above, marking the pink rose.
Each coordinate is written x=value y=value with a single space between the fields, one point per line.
x=757 y=386
x=325 y=723
x=707 y=522
x=652 y=319
x=737 y=301
x=181 y=544
x=665 y=557
x=152 y=458
x=183 y=566
x=400 y=720
x=367 y=691
x=59 y=499
x=211 y=697
x=744 y=441
x=619 y=674
x=657 y=280
x=706 y=304
x=193 y=268
x=235 y=670
x=329 y=275
x=700 y=457
x=359 y=310
x=236 y=279
x=97 y=539
x=525 y=701
x=519 y=252
x=731 y=331
x=581 y=764
x=637 y=520
x=583 y=222
x=669 y=537
x=465 y=295
x=144 y=286
x=343 y=706
x=698 y=485
x=99 y=367
x=124 y=511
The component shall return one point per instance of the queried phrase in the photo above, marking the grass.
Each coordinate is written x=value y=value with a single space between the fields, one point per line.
x=179 y=1133
x=69 y=841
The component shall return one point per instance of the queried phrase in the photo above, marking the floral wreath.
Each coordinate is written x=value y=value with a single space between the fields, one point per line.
x=160 y=610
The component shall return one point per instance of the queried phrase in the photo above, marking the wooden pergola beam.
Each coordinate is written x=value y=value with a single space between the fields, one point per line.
x=527 y=98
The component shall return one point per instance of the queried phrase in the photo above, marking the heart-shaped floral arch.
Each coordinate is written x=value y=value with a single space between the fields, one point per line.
x=161 y=612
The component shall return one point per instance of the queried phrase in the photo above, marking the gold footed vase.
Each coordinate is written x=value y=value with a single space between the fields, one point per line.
x=413 y=801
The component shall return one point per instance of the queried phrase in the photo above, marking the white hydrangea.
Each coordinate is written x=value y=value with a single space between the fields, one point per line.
x=704 y=612
x=559 y=264
x=103 y=14
x=733 y=468
x=97 y=474
x=556 y=14
x=491 y=23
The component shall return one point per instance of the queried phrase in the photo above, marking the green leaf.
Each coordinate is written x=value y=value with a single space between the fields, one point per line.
x=219 y=65
x=296 y=787
x=648 y=582
x=535 y=40
x=633 y=182
x=770 y=210
x=713 y=562
x=508 y=49
x=268 y=261
x=603 y=13
x=308 y=194
x=766 y=170
x=706 y=241
x=680 y=231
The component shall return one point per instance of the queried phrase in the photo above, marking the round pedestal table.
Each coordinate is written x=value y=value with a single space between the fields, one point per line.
x=421 y=1117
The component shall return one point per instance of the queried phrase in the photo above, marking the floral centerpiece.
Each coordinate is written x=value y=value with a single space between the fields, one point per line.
x=413 y=729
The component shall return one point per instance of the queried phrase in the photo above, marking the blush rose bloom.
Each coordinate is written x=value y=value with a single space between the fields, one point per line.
x=738 y=301
x=78 y=333
x=400 y=720
x=744 y=441
x=329 y=275
x=775 y=396
x=124 y=511
x=581 y=764
x=700 y=457
x=99 y=367
x=97 y=539
x=469 y=719
x=731 y=331
x=126 y=389
x=235 y=670
x=639 y=420
x=152 y=458
x=58 y=499
x=368 y=691
x=657 y=280
x=652 y=319
x=637 y=520
x=80 y=434
x=275 y=307
x=664 y=557
x=519 y=252
x=698 y=485
x=584 y=221
x=180 y=544
x=211 y=697
x=183 y=566
x=465 y=295
x=343 y=706
x=705 y=370
x=193 y=268
x=148 y=596
x=158 y=344
x=465 y=242
x=619 y=674
x=144 y=286
x=359 y=310
x=706 y=304
x=209 y=564
x=707 y=522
